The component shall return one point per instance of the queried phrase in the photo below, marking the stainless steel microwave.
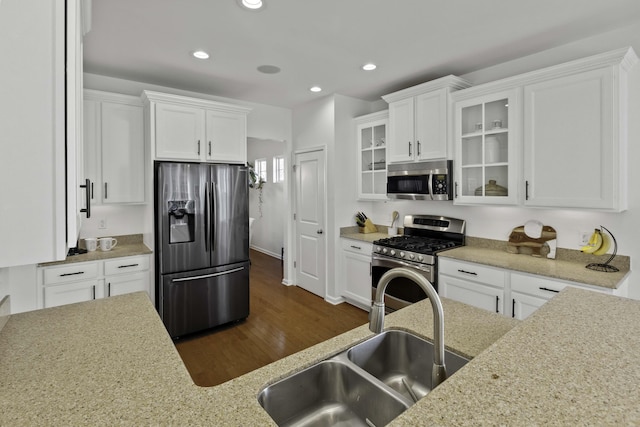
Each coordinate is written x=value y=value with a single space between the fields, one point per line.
x=429 y=180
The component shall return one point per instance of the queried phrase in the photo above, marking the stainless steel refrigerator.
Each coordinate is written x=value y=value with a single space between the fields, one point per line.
x=202 y=245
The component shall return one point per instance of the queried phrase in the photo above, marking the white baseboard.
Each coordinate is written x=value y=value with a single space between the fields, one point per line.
x=334 y=300
x=266 y=252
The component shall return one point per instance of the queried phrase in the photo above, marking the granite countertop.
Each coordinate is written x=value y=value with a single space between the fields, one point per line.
x=565 y=269
x=111 y=361
x=128 y=245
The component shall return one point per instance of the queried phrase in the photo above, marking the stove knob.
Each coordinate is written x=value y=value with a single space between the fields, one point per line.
x=402 y=254
x=411 y=256
x=384 y=250
x=392 y=253
x=420 y=258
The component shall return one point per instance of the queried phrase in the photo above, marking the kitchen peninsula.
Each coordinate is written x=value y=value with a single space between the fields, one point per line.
x=111 y=361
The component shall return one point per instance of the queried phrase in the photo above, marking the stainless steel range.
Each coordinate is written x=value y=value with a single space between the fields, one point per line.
x=424 y=236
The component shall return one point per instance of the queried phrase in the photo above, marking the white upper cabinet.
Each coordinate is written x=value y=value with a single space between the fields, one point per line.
x=418 y=120
x=114 y=147
x=570 y=128
x=191 y=129
x=575 y=135
x=487 y=142
x=40 y=74
x=371 y=137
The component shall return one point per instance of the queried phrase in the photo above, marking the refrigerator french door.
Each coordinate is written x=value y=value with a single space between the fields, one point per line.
x=202 y=236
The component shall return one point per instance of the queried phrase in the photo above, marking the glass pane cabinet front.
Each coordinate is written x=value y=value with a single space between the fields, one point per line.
x=373 y=165
x=484 y=145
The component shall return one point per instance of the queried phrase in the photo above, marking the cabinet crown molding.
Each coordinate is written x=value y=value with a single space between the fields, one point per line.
x=150 y=96
x=448 y=82
x=378 y=115
x=98 y=95
x=624 y=57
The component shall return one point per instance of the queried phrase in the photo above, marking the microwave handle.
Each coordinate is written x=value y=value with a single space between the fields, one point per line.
x=430 y=185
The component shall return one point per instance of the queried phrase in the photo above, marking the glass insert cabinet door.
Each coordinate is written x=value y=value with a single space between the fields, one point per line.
x=486 y=150
x=372 y=162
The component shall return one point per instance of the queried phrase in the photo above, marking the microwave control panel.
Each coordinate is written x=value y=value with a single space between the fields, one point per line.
x=440 y=184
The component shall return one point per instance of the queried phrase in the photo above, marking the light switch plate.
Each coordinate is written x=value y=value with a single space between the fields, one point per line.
x=102 y=224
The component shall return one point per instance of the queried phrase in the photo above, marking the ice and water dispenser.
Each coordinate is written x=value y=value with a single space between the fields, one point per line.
x=181 y=221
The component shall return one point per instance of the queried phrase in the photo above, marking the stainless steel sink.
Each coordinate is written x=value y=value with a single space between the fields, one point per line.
x=369 y=384
x=330 y=393
x=402 y=361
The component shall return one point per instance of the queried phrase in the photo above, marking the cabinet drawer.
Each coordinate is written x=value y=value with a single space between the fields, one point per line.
x=126 y=265
x=70 y=273
x=351 y=245
x=536 y=285
x=471 y=271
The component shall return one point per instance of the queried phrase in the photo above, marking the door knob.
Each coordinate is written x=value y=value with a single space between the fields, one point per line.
x=319 y=231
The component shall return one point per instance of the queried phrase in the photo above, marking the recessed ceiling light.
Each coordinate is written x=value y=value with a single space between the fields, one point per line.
x=315 y=89
x=369 y=67
x=201 y=54
x=251 y=4
x=269 y=69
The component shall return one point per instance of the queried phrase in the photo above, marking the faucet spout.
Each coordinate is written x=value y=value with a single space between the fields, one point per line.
x=376 y=322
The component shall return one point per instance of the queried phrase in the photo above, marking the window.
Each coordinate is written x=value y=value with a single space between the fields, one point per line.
x=261 y=169
x=278 y=169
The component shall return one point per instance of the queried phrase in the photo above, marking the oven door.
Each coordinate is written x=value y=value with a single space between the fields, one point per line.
x=401 y=292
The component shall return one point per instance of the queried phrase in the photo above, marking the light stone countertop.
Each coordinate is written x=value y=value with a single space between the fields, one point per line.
x=128 y=245
x=111 y=362
x=556 y=268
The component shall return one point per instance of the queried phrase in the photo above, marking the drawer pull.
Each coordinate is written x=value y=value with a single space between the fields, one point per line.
x=468 y=272
x=72 y=274
x=547 y=289
x=356 y=247
x=128 y=265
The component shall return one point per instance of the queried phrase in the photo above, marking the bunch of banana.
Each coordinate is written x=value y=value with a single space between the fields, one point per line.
x=599 y=243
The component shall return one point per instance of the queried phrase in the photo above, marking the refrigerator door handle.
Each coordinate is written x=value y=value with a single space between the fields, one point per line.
x=207 y=276
x=213 y=216
x=207 y=216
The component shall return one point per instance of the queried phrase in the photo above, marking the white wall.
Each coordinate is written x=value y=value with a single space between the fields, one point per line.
x=268 y=229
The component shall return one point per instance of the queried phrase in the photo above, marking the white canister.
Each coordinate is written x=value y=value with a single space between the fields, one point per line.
x=491 y=149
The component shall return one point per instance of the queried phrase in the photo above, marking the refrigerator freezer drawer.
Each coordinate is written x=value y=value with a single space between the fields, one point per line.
x=199 y=300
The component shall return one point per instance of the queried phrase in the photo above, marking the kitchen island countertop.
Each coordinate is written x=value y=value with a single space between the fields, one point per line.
x=111 y=361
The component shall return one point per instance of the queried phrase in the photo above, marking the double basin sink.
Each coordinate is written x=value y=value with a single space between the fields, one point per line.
x=368 y=384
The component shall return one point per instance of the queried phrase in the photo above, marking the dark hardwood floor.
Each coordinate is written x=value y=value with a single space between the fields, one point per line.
x=282 y=320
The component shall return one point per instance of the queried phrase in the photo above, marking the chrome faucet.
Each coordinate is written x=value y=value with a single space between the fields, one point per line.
x=376 y=323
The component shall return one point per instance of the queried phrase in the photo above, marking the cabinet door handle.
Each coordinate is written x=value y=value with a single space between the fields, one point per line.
x=92 y=191
x=526 y=190
x=72 y=274
x=468 y=272
x=93 y=292
x=513 y=308
x=549 y=290
x=105 y=190
x=409 y=148
x=109 y=289
x=418 y=144
x=198 y=147
x=88 y=185
x=455 y=189
x=497 y=303
x=209 y=148
x=128 y=265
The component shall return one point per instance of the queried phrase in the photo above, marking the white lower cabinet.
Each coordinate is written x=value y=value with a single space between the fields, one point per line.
x=85 y=281
x=502 y=291
x=472 y=284
x=356 y=272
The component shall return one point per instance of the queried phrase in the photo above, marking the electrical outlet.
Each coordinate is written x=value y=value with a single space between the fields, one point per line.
x=102 y=224
x=584 y=237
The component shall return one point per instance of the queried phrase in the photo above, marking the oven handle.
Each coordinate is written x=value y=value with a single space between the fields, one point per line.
x=379 y=261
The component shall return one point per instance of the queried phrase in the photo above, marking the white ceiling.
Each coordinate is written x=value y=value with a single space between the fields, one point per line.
x=325 y=42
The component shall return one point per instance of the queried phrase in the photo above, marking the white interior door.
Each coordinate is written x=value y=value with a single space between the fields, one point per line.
x=310 y=208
